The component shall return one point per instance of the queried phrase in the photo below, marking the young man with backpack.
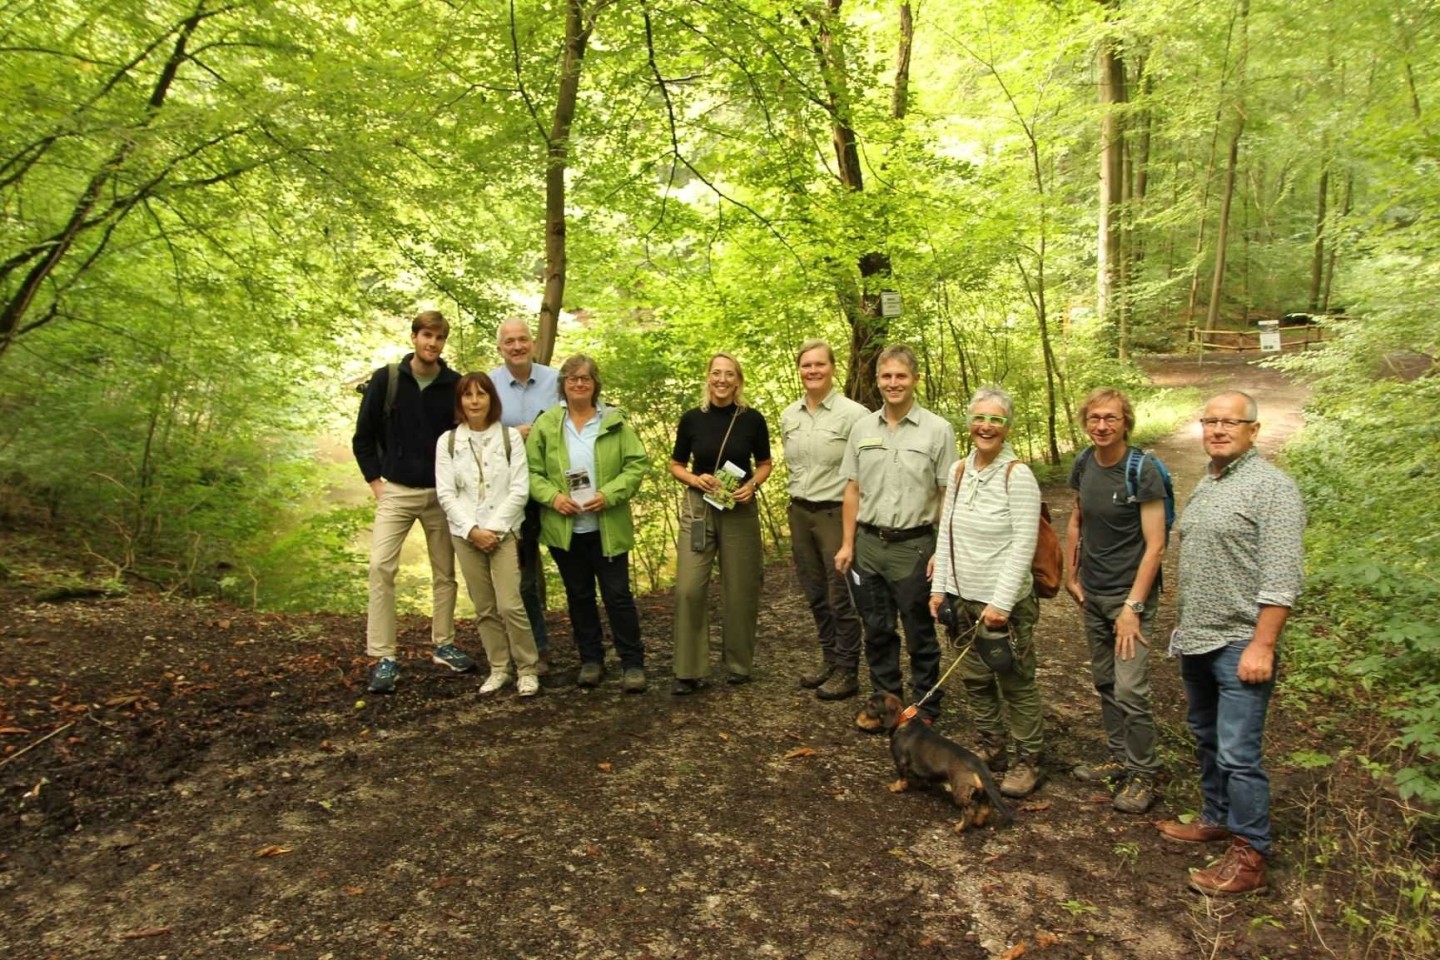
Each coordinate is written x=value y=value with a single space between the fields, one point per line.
x=1116 y=537
x=407 y=407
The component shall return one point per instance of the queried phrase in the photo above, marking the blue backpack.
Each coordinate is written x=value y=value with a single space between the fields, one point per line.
x=1133 y=460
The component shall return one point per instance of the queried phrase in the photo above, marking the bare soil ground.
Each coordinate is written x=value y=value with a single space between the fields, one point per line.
x=219 y=785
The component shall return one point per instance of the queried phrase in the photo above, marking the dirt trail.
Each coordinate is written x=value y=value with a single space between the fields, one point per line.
x=748 y=821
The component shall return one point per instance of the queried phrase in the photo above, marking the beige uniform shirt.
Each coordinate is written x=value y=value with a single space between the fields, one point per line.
x=814 y=445
x=902 y=472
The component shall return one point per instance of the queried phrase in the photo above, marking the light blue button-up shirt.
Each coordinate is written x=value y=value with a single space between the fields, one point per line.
x=580 y=447
x=521 y=402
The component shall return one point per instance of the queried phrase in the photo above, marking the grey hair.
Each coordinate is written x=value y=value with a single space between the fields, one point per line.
x=992 y=392
x=510 y=322
x=1252 y=409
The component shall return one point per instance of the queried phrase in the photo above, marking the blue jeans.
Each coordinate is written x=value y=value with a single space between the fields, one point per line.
x=1227 y=718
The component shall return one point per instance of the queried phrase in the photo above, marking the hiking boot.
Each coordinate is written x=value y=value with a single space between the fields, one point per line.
x=992 y=751
x=684 y=686
x=494 y=683
x=542 y=664
x=840 y=685
x=632 y=680
x=1109 y=771
x=813 y=679
x=1241 y=870
x=1022 y=779
x=453 y=657
x=528 y=686
x=1200 y=831
x=736 y=679
x=1136 y=796
x=590 y=674
x=383 y=677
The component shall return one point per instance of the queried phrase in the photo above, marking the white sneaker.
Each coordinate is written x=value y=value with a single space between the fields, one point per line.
x=528 y=686
x=495 y=682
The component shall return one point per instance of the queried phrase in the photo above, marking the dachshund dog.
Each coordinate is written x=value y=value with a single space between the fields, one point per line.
x=924 y=757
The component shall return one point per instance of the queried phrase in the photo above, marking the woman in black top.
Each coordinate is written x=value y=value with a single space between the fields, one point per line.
x=719 y=516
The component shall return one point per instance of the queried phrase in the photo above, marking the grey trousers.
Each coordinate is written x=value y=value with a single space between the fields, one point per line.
x=815 y=537
x=1123 y=685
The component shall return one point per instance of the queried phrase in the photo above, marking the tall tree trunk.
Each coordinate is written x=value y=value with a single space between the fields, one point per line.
x=1222 y=229
x=557 y=158
x=900 y=97
x=1317 y=253
x=1111 y=67
x=1347 y=198
x=860 y=303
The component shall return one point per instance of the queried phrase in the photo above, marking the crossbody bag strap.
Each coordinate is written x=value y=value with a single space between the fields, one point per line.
x=954 y=502
x=719 y=457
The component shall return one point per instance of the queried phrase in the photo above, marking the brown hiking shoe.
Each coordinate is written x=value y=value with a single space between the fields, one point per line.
x=1241 y=870
x=814 y=678
x=1022 y=779
x=1197 y=832
x=1108 y=771
x=840 y=685
x=1136 y=796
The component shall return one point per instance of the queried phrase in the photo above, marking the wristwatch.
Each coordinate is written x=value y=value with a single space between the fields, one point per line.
x=1135 y=605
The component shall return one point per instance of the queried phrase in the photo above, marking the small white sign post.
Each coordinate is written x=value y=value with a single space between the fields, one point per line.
x=1270 y=336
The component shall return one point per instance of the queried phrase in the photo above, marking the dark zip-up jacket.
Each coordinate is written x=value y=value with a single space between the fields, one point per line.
x=402 y=448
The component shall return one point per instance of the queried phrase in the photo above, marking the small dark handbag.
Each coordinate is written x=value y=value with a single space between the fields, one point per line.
x=994 y=647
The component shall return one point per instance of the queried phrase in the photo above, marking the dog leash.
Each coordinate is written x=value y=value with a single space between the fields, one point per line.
x=912 y=711
x=968 y=636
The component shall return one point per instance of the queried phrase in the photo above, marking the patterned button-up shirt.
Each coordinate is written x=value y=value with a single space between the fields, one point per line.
x=1240 y=549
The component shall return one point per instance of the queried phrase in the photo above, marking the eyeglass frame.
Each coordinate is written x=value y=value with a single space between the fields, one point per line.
x=1229 y=423
x=993 y=419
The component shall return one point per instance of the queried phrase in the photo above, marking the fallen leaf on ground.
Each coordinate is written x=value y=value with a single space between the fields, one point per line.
x=1045 y=938
x=273 y=850
x=146 y=932
x=604 y=767
x=800 y=752
x=352 y=891
x=1036 y=807
x=440 y=883
x=1100 y=798
x=12 y=730
x=724 y=736
x=1015 y=952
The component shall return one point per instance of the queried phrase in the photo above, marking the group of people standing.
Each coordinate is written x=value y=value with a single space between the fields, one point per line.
x=889 y=533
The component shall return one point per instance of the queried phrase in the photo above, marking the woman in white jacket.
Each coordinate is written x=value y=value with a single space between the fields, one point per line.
x=482 y=480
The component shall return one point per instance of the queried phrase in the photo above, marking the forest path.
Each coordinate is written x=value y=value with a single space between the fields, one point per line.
x=237 y=795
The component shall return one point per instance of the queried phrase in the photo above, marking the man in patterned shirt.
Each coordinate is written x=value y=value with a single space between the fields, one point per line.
x=1240 y=573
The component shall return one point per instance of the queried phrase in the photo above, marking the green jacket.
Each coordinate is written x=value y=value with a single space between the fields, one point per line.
x=620 y=465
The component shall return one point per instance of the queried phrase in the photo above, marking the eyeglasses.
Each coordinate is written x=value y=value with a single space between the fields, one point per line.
x=1226 y=422
x=980 y=419
x=580 y=379
x=1108 y=419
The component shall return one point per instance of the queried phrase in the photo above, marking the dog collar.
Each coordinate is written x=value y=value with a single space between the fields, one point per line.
x=908 y=714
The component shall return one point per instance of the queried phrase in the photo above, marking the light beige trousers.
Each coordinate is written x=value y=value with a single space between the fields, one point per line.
x=395 y=513
x=493 y=582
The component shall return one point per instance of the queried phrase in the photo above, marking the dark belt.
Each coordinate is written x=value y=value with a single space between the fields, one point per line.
x=814 y=505
x=895 y=534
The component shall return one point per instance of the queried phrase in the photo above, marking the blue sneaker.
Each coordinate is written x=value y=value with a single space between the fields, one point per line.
x=453 y=657
x=383 y=677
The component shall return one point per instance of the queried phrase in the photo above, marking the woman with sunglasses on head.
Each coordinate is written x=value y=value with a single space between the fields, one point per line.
x=482 y=481
x=586 y=463
x=987 y=538
x=718 y=518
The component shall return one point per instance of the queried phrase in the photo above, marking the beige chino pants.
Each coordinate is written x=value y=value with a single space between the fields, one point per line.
x=395 y=513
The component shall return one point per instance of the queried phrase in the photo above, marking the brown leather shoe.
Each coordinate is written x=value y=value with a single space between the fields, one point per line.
x=1241 y=870
x=1197 y=832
